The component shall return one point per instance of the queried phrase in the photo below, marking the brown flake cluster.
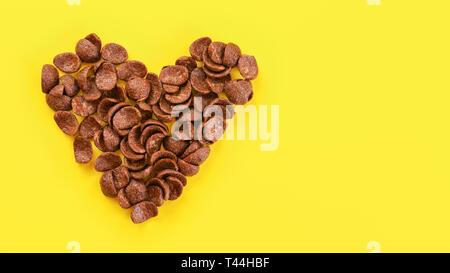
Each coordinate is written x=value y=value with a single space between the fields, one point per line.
x=124 y=107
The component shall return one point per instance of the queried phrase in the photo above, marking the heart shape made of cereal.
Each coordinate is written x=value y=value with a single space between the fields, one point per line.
x=124 y=107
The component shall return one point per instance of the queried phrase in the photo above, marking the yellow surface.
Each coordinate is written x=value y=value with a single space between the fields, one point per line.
x=364 y=154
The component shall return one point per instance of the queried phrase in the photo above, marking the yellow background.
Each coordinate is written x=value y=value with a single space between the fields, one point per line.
x=364 y=154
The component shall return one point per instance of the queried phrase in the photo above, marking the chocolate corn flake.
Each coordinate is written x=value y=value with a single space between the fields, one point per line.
x=117 y=93
x=67 y=122
x=216 y=51
x=231 y=55
x=107 y=161
x=131 y=69
x=106 y=77
x=156 y=195
x=198 y=81
x=70 y=84
x=126 y=118
x=82 y=107
x=103 y=108
x=59 y=102
x=156 y=88
x=248 y=67
x=89 y=126
x=210 y=64
x=143 y=211
x=87 y=51
x=175 y=187
x=170 y=88
x=82 y=148
x=67 y=62
x=215 y=74
x=239 y=91
x=198 y=47
x=94 y=39
x=136 y=191
x=49 y=77
x=186 y=168
x=92 y=92
x=138 y=89
x=175 y=146
x=216 y=85
x=174 y=75
x=114 y=53
x=187 y=62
